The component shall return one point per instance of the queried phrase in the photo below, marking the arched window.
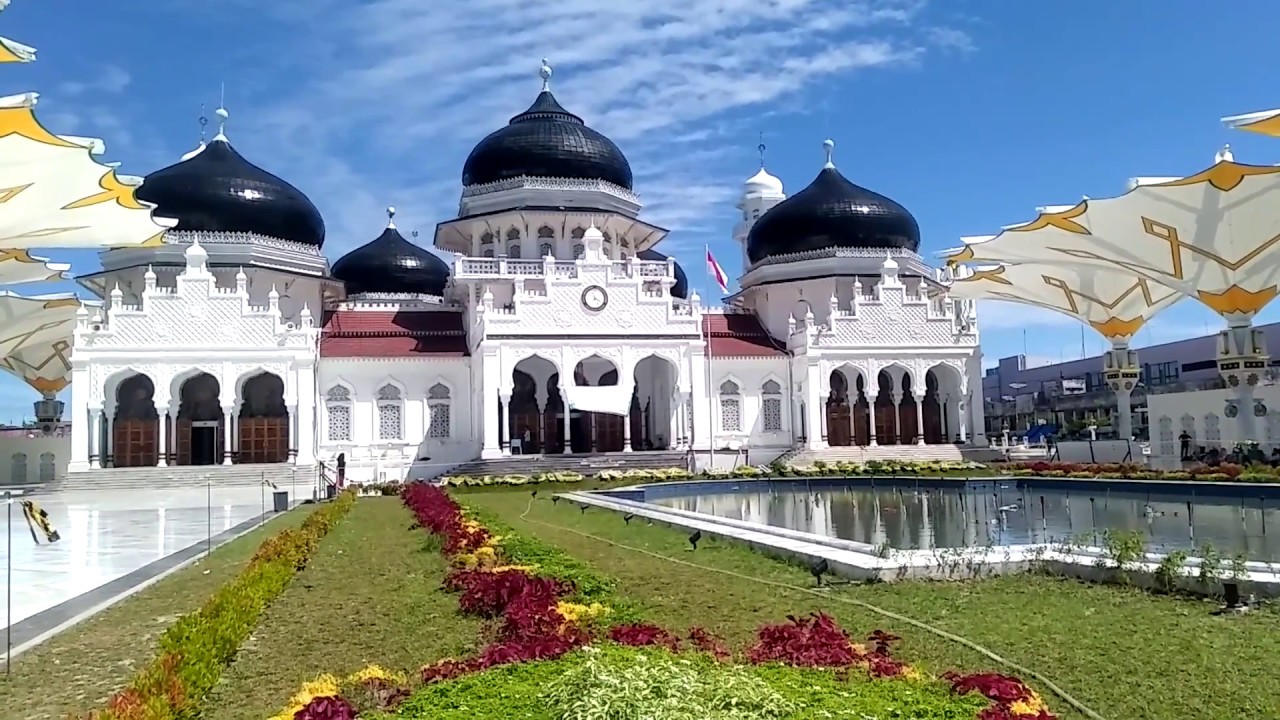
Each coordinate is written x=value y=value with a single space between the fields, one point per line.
x=439 y=403
x=486 y=238
x=579 y=251
x=390 y=413
x=546 y=250
x=730 y=407
x=18 y=468
x=338 y=407
x=513 y=251
x=47 y=469
x=513 y=234
x=578 y=233
x=488 y=252
x=771 y=407
x=546 y=233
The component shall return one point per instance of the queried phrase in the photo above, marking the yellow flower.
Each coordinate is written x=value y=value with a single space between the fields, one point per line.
x=577 y=613
x=1031 y=705
x=325 y=685
x=375 y=672
x=504 y=568
x=912 y=673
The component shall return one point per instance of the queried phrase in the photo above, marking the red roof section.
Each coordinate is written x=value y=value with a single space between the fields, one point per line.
x=735 y=335
x=359 y=333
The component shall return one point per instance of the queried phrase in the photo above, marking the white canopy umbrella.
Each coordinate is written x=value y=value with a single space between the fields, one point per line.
x=53 y=193
x=1116 y=304
x=31 y=321
x=44 y=365
x=1214 y=236
x=12 y=51
x=1263 y=122
x=20 y=266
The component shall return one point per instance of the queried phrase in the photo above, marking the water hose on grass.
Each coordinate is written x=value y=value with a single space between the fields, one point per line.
x=1019 y=669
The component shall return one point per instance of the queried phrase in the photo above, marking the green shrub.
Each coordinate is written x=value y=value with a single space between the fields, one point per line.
x=195 y=649
x=623 y=683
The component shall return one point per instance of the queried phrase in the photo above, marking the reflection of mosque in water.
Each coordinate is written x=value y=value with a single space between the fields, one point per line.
x=1004 y=514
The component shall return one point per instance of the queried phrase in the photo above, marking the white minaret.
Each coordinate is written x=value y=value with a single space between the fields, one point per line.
x=759 y=193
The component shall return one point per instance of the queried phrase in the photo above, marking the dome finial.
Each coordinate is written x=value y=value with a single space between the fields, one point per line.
x=761 y=148
x=1224 y=155
x=391 y=217
x=204 y=123
x=545 y=73
x=829 y=147
x=222 y=114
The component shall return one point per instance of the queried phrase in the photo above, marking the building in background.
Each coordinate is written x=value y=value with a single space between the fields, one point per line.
x=1070 y=395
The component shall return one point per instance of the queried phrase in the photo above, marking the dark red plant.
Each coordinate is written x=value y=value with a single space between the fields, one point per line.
x=1002 y=690
x=812 y=641
x=643 y=635
x=705 y=642
x=326 y=708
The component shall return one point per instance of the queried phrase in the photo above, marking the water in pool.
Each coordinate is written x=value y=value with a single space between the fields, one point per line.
x=1002 y=514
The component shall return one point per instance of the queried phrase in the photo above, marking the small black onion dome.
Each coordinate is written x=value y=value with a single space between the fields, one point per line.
x=546 y=141
x=681 y=288
x=392 y=265
x=217 y=190
x=832 y=213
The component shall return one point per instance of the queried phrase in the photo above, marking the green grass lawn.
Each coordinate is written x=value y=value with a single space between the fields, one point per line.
x=371 y=595
x=76 y=670
x=1126 y=654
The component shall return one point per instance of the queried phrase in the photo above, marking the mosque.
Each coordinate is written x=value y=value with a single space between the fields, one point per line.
x=558 y=326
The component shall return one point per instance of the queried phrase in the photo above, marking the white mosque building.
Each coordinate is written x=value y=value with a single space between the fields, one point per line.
x=558 y=328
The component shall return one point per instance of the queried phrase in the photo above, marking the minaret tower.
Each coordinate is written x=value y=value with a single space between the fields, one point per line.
x=759 y=193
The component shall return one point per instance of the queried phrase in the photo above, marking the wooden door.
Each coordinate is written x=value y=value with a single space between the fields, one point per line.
x=531 y=422
x=933 y=430
x=907 y=421
x=264 y=440
x=639 y=433
x=861 y=423
x=886 y=423
x=838 y=432
x=607 y=432
x=135 y=443
x=552 y=436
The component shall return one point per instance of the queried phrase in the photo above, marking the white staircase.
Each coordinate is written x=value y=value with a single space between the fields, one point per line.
x=187 y=476
x=859 y=454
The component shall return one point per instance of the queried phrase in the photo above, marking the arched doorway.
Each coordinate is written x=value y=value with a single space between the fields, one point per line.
x=199 y=437
x=886 y=411
x=907 y=412
x=941 y=405
x=534 y=408
x=135 y=426
x=839 y=413
x=596 y=431
x=654 y=409
x=263 y=420
x=861 y=413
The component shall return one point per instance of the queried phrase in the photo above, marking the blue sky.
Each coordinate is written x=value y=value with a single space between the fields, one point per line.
x=969 y=113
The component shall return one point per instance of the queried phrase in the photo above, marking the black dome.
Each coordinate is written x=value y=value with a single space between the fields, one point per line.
x=681 y=288
x=832 y=213
x=217 y=190
x=391 y=264
x=550 y=142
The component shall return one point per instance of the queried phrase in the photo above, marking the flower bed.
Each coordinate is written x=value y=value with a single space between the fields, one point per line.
x=195 y=649
x=562 y=645
x=1226 y=472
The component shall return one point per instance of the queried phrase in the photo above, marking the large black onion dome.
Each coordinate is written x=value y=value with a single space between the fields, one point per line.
x=217 y=190
x=681 y=288
x=546 y=141
x=392 y=265
x=832 y=213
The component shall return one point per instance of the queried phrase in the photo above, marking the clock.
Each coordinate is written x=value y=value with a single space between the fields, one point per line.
x=595 y=298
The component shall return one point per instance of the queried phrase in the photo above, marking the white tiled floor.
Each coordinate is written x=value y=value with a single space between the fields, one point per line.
x=107 y=536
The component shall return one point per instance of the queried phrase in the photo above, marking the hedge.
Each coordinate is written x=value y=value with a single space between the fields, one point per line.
x=198 y=647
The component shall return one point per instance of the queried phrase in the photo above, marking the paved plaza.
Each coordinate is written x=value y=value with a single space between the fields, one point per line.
x=108 y=535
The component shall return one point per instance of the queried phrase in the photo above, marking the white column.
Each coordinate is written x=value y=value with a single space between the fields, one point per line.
x=79 y=413
x=1121 y=372
x=626 y=432
x=162 y=435
x=108 y=439
x=228 y=415
x=896 y=398
x=293 y=433
x=700 y=393
x=491 y=377
x=919 y=419
x=505 y=430
x=564 y=403
x=871 y=417
x=815 y=408
x=305 y=417
x=976 y=402
x=94 y=457
x=962 y=413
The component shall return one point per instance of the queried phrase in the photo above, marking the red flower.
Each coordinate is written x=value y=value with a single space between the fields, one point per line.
x=326 y=708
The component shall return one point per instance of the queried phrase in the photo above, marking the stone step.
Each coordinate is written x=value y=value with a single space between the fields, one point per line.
x=149 y=478
x=585 y=464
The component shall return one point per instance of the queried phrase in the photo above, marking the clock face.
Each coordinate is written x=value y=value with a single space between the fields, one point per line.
x=594 y=298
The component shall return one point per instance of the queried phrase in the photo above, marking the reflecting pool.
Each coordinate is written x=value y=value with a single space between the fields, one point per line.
x=987 y=513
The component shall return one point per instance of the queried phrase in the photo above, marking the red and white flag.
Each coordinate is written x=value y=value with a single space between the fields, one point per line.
x=717 y=273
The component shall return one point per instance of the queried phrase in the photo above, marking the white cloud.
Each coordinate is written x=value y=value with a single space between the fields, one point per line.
x=403 y=79
x=109 y=80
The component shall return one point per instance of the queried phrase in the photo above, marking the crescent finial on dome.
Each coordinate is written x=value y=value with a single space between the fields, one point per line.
x=544 y=72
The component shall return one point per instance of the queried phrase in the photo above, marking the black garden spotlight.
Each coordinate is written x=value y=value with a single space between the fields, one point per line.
x=694 y=538
x=627 y=518
x=820 y=568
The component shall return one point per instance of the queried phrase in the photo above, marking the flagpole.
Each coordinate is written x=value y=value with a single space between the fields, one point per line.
x=711 y=398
